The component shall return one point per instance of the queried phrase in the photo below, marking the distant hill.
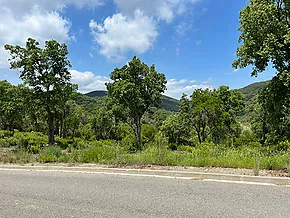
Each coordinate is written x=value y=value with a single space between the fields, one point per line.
x=252 y=90
x=168 y=103
x=99 y=93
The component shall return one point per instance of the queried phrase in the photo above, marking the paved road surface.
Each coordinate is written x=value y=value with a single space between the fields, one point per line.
x=59 y=194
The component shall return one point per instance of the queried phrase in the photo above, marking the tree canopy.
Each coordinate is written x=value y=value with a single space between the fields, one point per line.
x=136 y=87
x=46 y=71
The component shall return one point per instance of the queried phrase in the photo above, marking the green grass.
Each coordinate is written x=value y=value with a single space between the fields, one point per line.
x=28 y=147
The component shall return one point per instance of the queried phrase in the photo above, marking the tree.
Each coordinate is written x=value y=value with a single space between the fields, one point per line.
x=203 y=112
x=265 y=38
x=12 y=105
x=136 y=87
x=232 y=103
x=176 y=129
x=103 y=124
x=46 y=71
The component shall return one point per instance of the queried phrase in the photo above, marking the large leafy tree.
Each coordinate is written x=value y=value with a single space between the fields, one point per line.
x=265 y=40
x=203 y=112
x=265 y=36
x=46 y=71
x=232 y=103
x=136 y=87
x=12 y=105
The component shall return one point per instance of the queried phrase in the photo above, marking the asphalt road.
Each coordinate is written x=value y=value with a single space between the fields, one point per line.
x=59 y=194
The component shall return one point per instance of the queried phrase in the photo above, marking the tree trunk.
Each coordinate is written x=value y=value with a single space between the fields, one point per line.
x=199 y=137
x=138 y=132
x=50 y=129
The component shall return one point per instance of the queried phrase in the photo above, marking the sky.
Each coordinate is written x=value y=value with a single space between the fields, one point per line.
x=193 y=42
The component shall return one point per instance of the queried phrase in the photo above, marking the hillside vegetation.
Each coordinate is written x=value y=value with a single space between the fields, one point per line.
x=168 y=103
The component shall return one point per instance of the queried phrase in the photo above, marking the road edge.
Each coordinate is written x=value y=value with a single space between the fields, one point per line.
x=262 y=180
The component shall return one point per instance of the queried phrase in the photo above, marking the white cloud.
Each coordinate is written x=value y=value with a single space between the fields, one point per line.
x=119 y=35
x=182 y=28
x=39 y=19
x=175 y=88
x=88 y=82
x=134 y=28
x=22 y=7
x=36 y=25
x=162 y=9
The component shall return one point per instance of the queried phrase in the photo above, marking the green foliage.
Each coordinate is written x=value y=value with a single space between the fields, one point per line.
x=19 y=156
x=46 y=158
x=186 y=148
x=62 y=143
x=148 y=133
x=136 y=87
x=99 y=152
x=168 y=103
x=46 y=71
x=245 y=139
x=79 y=143
x=53 y=150
x=12 y=105
x=282 y=146
x=175 y=129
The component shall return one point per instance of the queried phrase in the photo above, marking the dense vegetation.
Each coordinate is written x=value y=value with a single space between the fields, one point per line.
x=46 y=120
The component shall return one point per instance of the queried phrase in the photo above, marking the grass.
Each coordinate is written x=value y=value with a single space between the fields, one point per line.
x=28 y=147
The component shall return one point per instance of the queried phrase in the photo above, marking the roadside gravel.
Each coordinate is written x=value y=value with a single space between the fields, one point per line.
x=215 y=170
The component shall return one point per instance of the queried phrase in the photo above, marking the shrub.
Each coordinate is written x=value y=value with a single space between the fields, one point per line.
x=4 y=143
x=106 y=151
x=52 y=150
x=129 y=142
x=4 y=134
x=148 y=133
x=186 y=149
x=63 y=143
x=46 y=158
x=282 y=146
x=79 y=143
x=245 y=139
x=34 y=149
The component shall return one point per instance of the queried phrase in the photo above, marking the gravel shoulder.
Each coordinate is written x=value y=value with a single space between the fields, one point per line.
x=213 y=170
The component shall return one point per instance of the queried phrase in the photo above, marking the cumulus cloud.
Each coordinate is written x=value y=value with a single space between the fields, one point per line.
x=161 y=9
x=88 y=82
x=135 y=27
x=39 y=19
x=22 y=7
x=118 y=35
x=176 y=88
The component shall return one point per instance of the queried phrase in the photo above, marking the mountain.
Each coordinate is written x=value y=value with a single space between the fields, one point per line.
x=252 y=90
x=90 y=99
x=168 y=103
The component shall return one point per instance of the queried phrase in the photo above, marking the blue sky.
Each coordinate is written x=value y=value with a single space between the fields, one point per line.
x=193 y=42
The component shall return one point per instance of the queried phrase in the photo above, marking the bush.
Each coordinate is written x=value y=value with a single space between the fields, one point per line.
x=79 y=143
x=46 y=158
x=5 y=134
x=282 y=146
x=4 y=143
x=245 y=139
x=106 y=152
x=34 y=149
x=186 y=149
x=52 y=150
x=129 y=142
x=63 y=143
x=148 y=133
